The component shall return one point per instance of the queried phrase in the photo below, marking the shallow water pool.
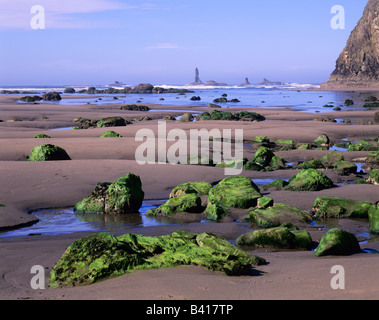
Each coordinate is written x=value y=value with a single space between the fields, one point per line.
x=64 y=220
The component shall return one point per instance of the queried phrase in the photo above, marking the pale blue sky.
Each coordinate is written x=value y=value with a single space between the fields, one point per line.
x=162 y=41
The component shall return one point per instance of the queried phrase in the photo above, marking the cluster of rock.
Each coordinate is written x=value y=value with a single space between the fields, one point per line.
x=51 y=96
x=100 y=256
x=238 y=116
x=143 y=88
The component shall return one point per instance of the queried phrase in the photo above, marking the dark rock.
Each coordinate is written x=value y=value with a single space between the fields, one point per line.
x=52 y=96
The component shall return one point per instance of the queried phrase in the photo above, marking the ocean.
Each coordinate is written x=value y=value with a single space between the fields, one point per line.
x=302 y=97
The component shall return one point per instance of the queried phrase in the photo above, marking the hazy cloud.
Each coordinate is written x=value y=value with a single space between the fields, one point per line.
x=59 y=14
x=163 y=46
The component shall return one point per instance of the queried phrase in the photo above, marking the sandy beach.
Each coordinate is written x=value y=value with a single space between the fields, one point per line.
x=28 y=186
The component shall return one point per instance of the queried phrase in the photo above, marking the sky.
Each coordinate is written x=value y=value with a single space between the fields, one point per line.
x=96 y=42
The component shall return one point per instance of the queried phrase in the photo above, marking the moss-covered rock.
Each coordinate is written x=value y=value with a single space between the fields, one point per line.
x=344 y=168
x=337 y=242
x=48 y=152
x=215 y=212
x=121 y=197
x=112 y=122
x=42 y=136
x=337 y=207
x=373 y=218
x=237 y=192
x=322 y=140
x=102 y=256
x=190 y=203
x=278 y=214
x=263 y=156
x=265 y=202
x=331 y=159
x=278 y=184
x=309 y=180
x=280 y=237
x=374 y=176
x=200 y=188
x=373 y=159
x=111 y=134
x=312 y=164
x=222 y=115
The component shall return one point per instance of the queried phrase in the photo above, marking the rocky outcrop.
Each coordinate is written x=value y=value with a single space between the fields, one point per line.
x=245 y=83
x=358 y=64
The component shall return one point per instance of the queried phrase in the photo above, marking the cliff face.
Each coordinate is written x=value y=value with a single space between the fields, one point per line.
x=358 y=64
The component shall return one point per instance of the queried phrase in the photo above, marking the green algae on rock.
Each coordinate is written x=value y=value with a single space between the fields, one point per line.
x=101 y=256
x=236 y=192
x=374 y=176
x=278 y=214
x=285 y=236
x=309 y=180
x=42 y=136
x=112 y=122
x=48 y=152
x=121 y=197
x=111 y=134
x=201 y=188
x=337 y=242
x=337 y=207
x=330 y=160
x=190 y=203
x=373 y=218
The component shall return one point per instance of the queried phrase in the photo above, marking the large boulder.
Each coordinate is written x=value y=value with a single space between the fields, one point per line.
x=336 y=207
x=48 y=152
x=121 y=197
x=282 y=237
x=236 y=192
x=101 y=256
x=51 y=96
x=309 y=180
x=337 y=242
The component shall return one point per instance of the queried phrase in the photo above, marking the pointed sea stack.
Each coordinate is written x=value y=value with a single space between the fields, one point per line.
x=245 y=83
x=358 y=64
x=197 y=78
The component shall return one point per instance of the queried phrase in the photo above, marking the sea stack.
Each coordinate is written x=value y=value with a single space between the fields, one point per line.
x=245 y=83
x=358 y=64
x=197 y=78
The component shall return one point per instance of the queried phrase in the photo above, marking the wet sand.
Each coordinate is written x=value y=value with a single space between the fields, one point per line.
x=33 y=185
